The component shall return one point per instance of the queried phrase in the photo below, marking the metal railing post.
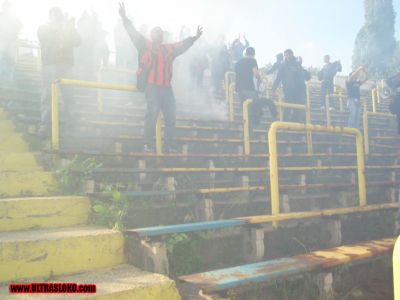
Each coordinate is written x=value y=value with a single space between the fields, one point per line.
x=227 y=83
x=55 y=134
x=341 y=101
x=273 y=158
x=308 y=120
x=373 y=92
x=159 y=144
x=99 y=92
x=362 y=194
x=230 y=102
x=396 y=269
x=366 y=133
x=246 y=126
x=273 y=171
x=281 y=110
x=327 y=110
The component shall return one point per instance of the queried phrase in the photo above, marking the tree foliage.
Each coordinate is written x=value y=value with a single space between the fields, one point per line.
x=375 y=44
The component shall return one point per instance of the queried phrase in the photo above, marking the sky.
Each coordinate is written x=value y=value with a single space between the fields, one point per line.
x=311 y=28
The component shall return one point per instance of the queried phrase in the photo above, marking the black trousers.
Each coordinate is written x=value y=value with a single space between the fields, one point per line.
x=256 y=107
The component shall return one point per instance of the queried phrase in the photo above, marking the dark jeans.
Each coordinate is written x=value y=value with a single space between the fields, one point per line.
x=294 y=96
x=354 y=112
x=50 y=73
x=326 y=89
x=159 y=99
x=256 y=107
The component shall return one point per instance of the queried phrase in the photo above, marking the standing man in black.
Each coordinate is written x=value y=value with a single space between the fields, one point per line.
x=246 y=73
x=326 y=76
x=293 y=77
x=155 y=71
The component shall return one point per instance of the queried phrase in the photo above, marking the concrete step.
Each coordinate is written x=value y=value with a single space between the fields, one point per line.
x=120 y=282
x=35 y=183
x=44 y=212
x=19 y=161
x=44 y=253
x=13 y=142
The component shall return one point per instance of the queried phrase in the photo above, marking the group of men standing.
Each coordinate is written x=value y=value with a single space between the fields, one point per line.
x=60 y=36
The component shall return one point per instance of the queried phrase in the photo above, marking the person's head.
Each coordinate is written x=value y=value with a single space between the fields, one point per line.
x=55 y=15
x=250 y=52
x=289 y=55
x=327 y=59
x=279 y=57
x=157 y=35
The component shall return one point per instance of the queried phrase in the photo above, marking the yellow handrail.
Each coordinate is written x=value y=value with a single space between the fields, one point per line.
x=307 y=112
x=99 y=76
x=366 y=126
x=55 y=137
x=396 y=270
x=159 y=142
x=246 y=126
x=374 y=94
x=229 y=78
x=273 y=158
x=328 y=106
x=231 y=95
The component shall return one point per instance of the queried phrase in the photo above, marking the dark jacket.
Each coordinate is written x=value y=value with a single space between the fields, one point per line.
x=57 y=44
x=293 y=78
x=328 y=72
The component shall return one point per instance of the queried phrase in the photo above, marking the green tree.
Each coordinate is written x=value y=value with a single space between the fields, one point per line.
x=375 y=44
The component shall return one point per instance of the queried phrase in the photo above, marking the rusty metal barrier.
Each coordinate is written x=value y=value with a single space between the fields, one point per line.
x=273 y=158
x=55 y=134
x=100 y=73
x=366 y=116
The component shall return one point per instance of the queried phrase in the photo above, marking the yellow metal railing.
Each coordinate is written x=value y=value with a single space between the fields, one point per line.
x=374 y=95
x=273 y=157
x=229 y=78
x=231 y=94
x=307 y=110
x=281 y=105
x=159 y=142
x=246 y=127
x=328 y=106
x=55 y=135
x=396 y=270
x=99 y=76
x=366 y=126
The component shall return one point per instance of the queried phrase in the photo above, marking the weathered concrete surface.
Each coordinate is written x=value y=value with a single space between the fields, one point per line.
x=41 y=253
x=43 y=212
x=14 y=184
x=120 y=283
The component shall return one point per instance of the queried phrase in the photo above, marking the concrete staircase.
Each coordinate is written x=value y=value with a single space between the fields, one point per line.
x=46 y=238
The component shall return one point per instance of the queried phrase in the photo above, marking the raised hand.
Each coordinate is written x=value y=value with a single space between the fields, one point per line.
x=199 y=32
x=122 y=10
